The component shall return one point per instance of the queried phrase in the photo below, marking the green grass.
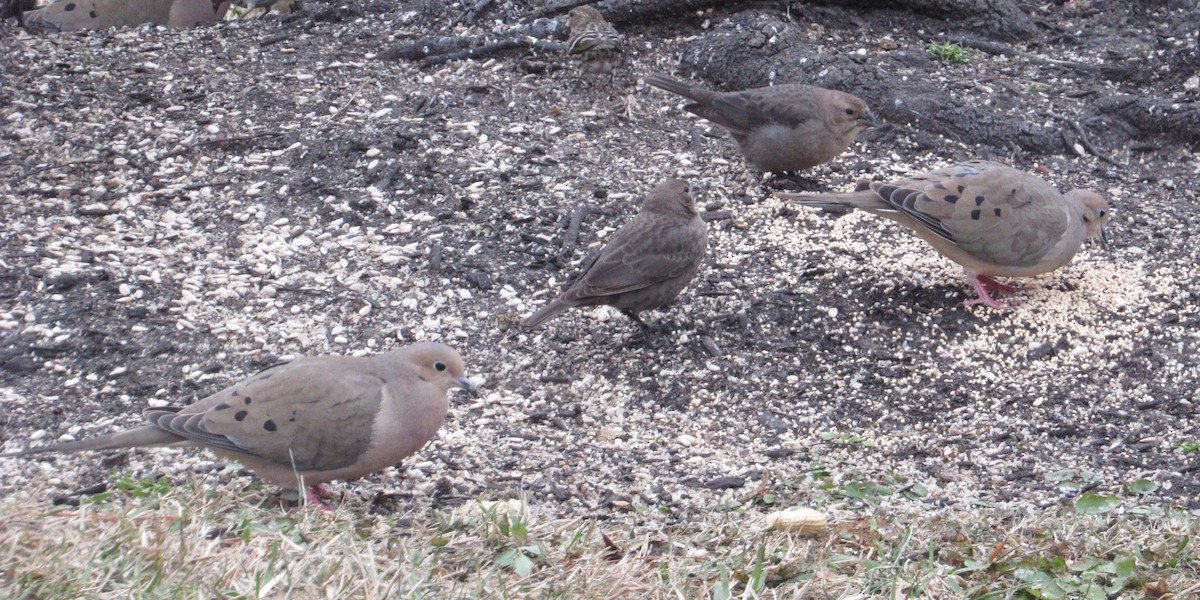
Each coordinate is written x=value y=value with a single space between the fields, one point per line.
x=949 y=52
x=150 y=539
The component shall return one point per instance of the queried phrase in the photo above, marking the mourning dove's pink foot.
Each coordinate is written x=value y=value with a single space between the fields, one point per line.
x=981 y=291
x=997 y=287
x=315 y=496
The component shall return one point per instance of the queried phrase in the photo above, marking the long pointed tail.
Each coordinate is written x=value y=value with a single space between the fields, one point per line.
x=866 y=199
x=549 y=311
x=147 y=435
x=674 y=86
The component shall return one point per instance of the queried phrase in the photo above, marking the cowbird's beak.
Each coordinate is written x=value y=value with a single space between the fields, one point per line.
x=868 y=119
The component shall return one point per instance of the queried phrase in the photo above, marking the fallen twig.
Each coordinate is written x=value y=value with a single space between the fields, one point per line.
x=1083 y=138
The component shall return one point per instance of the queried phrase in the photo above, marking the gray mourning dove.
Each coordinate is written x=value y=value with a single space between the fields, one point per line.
x=283 y=6
x=311 y=420
x=597 y=43
x=990 y=218
x=76 y=15
x=780 y=128
x=646 y=263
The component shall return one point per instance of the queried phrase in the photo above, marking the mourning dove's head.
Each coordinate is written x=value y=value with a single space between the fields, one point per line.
x=1095 y=213
x=440 y=365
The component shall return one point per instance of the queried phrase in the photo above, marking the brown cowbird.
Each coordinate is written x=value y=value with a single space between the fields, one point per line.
x=311 y=420
x=783 y=127
x=645 y=265
x=990 y=218
x=598 y=45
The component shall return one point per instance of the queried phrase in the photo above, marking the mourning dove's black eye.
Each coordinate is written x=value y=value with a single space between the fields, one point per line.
x=1103 y=211
x=439 y=366
x=850 y=111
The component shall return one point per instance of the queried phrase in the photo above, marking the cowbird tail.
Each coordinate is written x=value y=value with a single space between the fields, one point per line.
x=675 y=86
x=549 y=311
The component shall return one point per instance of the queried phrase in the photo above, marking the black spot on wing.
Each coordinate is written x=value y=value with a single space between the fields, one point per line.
x=247 y=400
x=951 y=198
x=70 y=6
x=221 y=406
x=975 y=214
x=240 y=416
x=905 y=200
x=269 y=425
x=979 y=200
x=997 y=211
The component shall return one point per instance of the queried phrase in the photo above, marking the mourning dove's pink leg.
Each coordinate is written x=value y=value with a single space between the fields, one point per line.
x=981 y=292
x=996 y=287
x=314 y=496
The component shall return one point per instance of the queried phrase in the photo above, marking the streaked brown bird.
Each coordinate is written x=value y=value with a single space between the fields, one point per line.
x=780 y=128
x=646 y=264
x=595 y=41
x=311 y=420
x=994 y=220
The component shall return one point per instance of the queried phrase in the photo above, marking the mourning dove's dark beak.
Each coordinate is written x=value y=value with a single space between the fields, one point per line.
x=868 y=119
x=1104 y=240
x=466 y=384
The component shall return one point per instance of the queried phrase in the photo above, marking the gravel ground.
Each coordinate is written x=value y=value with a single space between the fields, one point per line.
x=181 y=208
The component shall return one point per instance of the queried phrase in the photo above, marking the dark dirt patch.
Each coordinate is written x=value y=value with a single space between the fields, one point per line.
x=184 y=207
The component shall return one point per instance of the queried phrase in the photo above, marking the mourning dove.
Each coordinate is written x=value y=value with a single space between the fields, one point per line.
x=990 y=218
x=76 y=15
x=283 y=6
x=311 y=420
x=597 y=43
x=780 y=128
x=646 y=263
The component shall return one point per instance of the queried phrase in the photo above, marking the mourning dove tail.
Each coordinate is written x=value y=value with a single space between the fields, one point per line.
x=549 y=311
x=865 y=199
x=148 y=435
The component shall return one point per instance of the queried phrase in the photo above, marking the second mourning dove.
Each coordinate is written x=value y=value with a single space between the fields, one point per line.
x=76 y=15
x=597 y=43
x=780 y=128
x=646 y=263
x=311 y=420
x=990 y=218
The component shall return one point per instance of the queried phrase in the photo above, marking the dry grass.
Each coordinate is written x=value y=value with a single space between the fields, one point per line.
x=151 y=540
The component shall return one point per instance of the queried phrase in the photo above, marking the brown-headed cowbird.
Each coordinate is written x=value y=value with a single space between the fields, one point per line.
x=646 y=263
x=780 y=128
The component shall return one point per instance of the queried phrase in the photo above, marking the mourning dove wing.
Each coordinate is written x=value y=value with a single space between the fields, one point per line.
x=646 y=263
x=77 y=15
x=282 y=6
x=311 y=420
x=990 y=218
x=780 y=128
x=595 y=41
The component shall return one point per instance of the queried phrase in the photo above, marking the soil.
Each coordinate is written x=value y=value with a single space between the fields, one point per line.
x=183 y=207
